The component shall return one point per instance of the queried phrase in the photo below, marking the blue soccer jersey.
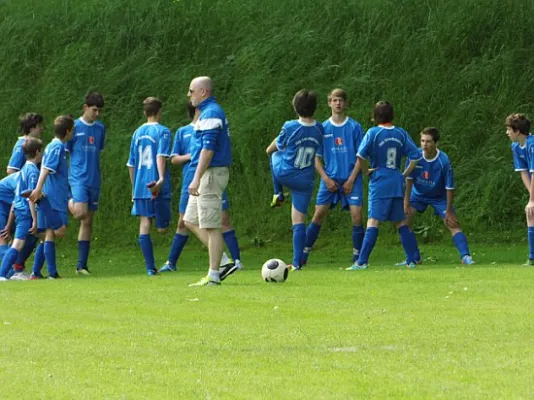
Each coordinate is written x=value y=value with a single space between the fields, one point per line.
x=211 y=133
x=7 y=188
x=432 y=177
x=384 y=147
x=149 y=141
x=339 y=148
x=298 y=143
x=56 y=187
x=26 y=180
x=84 y=148
x=17 y=159
x=181 y=145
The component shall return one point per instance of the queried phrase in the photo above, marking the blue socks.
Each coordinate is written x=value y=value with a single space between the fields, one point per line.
x=460 y=241
x=3 y=249
x=148 y=252
x=299 y=239
x=178 y=244
x=50 y=257
x=409 y=243
x=83 y=253
x=531 y=242
x=9 y=258
x=312 y=233
x=369 y=241
x=38 y=260
x=233 y=246
x=357 y=241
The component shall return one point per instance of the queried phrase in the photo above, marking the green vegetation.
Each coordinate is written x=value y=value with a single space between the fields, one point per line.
x=440 y=331
x=461 y=66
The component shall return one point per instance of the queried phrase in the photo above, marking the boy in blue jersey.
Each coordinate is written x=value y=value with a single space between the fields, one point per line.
x=31 y=125
x=341 y=181
x=211 y=158
x=24 y=210
x=84 y=172
x=151 y=186
x=292 y=156
x=52 y=194
x=432 y=184
x=383 y=147
x=518 y=130
x=181 y=155
x=7 y=195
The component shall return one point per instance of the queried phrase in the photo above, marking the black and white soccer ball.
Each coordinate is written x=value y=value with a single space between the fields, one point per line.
x=274 y=270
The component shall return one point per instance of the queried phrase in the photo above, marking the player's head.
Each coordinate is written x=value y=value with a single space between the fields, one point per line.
x=152 y=107
x=429 y=139
x=517 y=125
x=92 y=105
x=191 y=110
x=383 y=113
x=64 y=127
x=200 y=89
x=32 y=148
x=337 y=101
x=305 y=103
x=31 y=124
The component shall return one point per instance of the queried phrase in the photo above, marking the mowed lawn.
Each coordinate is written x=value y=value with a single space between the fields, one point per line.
x=440 y=331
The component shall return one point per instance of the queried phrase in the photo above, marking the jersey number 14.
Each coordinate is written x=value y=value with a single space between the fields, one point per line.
x=145 y=158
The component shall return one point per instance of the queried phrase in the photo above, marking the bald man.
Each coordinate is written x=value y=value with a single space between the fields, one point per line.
x=211 y=158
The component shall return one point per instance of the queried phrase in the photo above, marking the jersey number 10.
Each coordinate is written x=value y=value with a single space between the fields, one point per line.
x=304 y=158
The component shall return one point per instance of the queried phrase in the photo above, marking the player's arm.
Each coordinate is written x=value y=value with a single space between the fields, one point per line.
x=450 y=218
x=331 y=185
x=179 y=159
x=6 y=230
x=529 y=209
x=271 y=148
x=407 y=172
x=525 y=177
x=11 y=170
x=33 y=212
x=349 y=183
x=408 y=195
x=37 y=193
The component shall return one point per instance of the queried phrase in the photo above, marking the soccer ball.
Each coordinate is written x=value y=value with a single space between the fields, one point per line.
x=274 y=270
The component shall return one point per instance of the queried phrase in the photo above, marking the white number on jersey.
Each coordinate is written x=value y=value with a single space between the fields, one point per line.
x=145 y=157
x=304 y=158
x=391 y=155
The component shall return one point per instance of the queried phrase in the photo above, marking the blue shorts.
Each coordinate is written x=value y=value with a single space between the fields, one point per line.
x=48 y=218
x=86 y=194
x=4 y=213
x=332 y=199
x=421 y=203
x=159 y=209
x=184 y=198
x=387 y=209
x=301 y=187
x=23 y=224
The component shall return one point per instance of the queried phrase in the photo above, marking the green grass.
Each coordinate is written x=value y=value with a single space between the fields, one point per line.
x=441 y=331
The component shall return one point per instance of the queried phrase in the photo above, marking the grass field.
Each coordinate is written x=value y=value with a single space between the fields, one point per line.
x=441 y=331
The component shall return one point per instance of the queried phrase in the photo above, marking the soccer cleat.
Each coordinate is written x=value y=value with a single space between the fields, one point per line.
x=206 y=281
x=20 y=276
x=405 y=263
x=278 y=200
x=152 y=272
x=411 y=265
x=357 y=267
x=239 y=264
x=226 y=270
x=467 y=260
x=168 y=267
x=34 y=277
x=529 y=263
x=83 y=271
x=292 y=267
x=53 y=277
x=3 y=279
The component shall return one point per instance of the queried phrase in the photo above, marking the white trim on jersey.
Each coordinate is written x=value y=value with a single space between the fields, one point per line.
x=307 y=123
x=209 y=124
x=338 y=125
x=433 y=159
x=83 y=121
x=516 y=170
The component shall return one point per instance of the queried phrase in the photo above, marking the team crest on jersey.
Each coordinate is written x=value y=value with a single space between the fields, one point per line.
x=426 y=174
x=339 y=141
x=91 y=140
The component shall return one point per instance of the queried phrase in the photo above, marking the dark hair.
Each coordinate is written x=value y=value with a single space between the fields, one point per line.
x=518 y=122
x=94 y=99
x=30 y=147
x=431 y=131
x=191 y=110
x=338 y=93
x=29 y=121
x=62 y=124
x=305 y=103
x=382 y=112
x=151 y=106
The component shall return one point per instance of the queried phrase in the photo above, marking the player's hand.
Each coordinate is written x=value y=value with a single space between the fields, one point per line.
x=155 y=188
x=33 y=229
x=450 y=220
x=529 y=209
x=5 y=233
x=331 y=185
x=408 y=210
x=347 y=186
x=193 y=187
x=36 y=195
